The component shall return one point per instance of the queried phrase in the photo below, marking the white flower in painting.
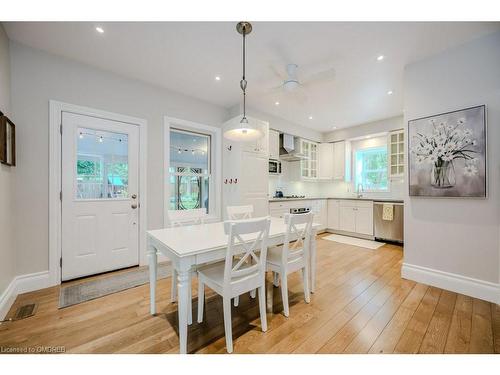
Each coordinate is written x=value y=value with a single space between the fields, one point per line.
x=439 y=150
x=420 y=159
x=427 y=148
x=450 y=146
x=470 y=170
x=461 y=121
x=433 y=158
x=448 y=157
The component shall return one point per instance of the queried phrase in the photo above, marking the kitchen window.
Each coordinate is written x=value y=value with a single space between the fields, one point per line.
x=371 y=169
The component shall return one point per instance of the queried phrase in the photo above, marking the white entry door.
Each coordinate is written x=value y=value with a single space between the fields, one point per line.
x=100 y=195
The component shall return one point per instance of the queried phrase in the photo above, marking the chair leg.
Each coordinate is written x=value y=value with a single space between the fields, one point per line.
x=284 y=294
x=305 y=280
x=253 y=293
x=276 y=280
x=201 y=300
x=173 y=291
x=236 y=301
x=226 y=301
x=262 y=308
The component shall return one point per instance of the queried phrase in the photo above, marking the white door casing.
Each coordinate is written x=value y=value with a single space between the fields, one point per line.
x=100 y=233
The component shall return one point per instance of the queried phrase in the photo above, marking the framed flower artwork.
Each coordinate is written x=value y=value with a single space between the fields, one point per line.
x=447 y=154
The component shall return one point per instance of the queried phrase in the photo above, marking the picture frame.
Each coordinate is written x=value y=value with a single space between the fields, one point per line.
x=447 y=154
x=7 y=141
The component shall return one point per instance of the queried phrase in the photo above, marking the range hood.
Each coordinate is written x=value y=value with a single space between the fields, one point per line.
x=290 y=148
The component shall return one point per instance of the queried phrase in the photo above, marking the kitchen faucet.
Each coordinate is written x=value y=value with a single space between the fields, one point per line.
x=359 y=191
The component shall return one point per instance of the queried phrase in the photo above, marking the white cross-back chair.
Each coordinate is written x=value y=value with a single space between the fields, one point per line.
x=294 y=256
x=178 y=218
x=243 y=270
x=239 y=212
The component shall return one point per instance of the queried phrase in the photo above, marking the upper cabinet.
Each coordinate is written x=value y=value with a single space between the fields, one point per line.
x=274 y=144
x=326 y=161
x=309 y=166
x=396 y=144
x=342 y=160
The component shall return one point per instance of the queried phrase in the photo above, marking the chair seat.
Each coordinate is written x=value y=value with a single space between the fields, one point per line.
x=274 y=255
x=214 y=274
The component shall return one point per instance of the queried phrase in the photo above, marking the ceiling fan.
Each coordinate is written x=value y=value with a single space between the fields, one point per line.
x=294 y=85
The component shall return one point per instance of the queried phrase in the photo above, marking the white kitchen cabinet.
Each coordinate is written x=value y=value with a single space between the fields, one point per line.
x=309 y=166
x=342 y=160
x=274 y=144
x=333 y=214
x=354 y=216
x=245 y=178
x=396 y=153
x=348 y=219
x=364 y=220
x=325 y=161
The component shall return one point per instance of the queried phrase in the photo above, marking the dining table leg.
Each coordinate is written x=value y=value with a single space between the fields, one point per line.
x=313 y=261
x=183 y=304
x=153 y=268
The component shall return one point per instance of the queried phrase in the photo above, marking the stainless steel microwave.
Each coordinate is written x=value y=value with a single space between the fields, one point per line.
x=274 y=166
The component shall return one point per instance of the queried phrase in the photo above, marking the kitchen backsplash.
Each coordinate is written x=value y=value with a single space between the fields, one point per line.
x=319 y=188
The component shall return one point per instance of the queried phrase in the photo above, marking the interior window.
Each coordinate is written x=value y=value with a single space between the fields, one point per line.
x=189 y=170
x=371 y=169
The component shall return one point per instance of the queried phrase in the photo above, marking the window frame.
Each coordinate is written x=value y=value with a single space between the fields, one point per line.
x=215 y=163
x=355 y=169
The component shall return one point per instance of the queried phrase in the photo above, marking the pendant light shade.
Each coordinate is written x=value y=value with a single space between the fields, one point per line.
x=244 y=130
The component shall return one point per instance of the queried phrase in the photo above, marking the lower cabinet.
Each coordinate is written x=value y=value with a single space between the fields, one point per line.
x=352 y=216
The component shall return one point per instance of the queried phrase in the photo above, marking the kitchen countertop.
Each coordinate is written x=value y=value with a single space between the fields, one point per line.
x=389 y=200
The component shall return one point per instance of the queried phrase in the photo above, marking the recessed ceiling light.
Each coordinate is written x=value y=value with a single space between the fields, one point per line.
x=380 y=57
x=276 y=103
x=217 y=78
x=310 y=117
x=99 y=29
x=389 y=92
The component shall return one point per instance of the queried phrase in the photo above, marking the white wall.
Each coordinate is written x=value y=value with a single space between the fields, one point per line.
x=7 y=251
x=374 y=127
x=38 y=77
x=457 y=236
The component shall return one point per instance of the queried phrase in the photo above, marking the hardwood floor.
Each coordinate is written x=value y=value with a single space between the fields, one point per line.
x=361 y=305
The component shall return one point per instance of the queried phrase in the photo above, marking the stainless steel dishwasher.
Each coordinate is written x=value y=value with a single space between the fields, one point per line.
x=389 y=230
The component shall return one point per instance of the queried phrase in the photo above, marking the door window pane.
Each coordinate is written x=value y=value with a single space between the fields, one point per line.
x=189 y=171
x=102 y=164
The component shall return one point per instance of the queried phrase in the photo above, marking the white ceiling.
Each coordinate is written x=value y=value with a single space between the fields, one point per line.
x=185 y=57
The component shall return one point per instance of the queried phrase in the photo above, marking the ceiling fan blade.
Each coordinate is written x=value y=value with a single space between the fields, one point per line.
x=324 y=76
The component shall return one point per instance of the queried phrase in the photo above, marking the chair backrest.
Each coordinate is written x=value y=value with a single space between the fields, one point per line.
x=298 y=229
x=239 y=212
x=247 y=249
x=179 y=218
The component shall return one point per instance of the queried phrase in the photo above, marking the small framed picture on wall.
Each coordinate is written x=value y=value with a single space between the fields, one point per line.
x=7 y=141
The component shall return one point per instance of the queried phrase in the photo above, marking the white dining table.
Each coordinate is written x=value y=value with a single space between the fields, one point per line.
x=189 y=246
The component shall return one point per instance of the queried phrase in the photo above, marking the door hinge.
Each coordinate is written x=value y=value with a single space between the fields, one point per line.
x=60 y=262
x=60 y=195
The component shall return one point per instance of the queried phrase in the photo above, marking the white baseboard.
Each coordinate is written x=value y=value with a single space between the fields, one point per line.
x=484 y=290
x=22 y=284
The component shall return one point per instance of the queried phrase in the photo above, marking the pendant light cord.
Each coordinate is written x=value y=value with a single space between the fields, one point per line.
x=244 y=80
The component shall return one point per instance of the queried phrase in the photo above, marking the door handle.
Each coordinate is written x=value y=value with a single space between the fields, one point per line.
x=134 y=196
x=134 y=206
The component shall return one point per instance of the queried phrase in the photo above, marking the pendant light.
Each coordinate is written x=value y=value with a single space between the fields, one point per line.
x=243 y=131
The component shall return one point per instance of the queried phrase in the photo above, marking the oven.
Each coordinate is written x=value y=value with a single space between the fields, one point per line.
x=274 y=166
